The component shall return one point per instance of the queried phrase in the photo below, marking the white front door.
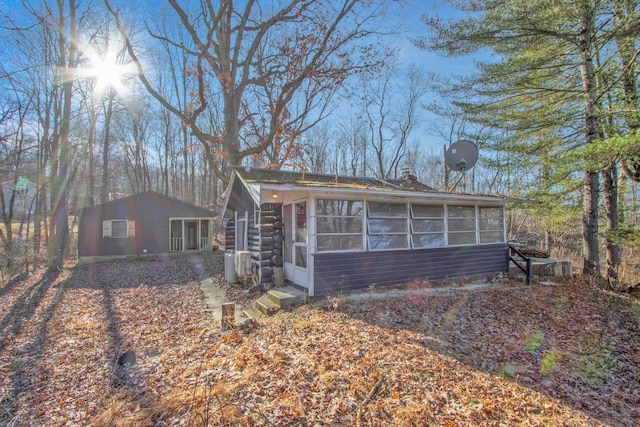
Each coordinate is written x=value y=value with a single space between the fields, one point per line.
x=295 y=220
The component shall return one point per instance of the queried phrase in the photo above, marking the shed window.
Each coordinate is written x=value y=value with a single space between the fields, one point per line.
x=387 y=226
x=427 y=226
x=461 y=222
x=118 y=228
x=491 y=225
x=339 y=225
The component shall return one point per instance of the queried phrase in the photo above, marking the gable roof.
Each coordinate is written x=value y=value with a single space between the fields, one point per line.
x=152 y=194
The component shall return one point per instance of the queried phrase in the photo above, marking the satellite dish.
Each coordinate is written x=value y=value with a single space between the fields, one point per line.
x=461 y=155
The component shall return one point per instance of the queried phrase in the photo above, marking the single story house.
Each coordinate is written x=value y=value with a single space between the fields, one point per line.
x=145 y=223
x=332 y=233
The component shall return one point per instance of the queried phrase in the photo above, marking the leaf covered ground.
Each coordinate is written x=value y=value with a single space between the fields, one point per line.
x=504 y=355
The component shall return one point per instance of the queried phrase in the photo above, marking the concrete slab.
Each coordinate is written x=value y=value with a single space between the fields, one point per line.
x=214 y=295
x=286 y=296
x=413 y=293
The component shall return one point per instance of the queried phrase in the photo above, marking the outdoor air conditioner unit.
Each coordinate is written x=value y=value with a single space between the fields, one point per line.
x=243 y=263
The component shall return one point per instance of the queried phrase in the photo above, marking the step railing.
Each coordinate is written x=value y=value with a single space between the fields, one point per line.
x=521 y=261
x=176 y=244
x=205 y=244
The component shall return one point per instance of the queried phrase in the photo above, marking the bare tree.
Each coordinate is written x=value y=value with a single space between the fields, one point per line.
x=15 y=145
x=391 y=111
x=271 y=66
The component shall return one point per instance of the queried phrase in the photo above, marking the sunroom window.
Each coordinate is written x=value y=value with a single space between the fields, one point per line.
x=427 y=226
x=491 y=225
x=339 y=225
x=388 y=226
x=461 y=222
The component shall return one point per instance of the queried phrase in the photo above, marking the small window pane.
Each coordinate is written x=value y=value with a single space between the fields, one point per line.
x=379 y=226
x=468 y=238
x=301 y=256
x=468 y=224
x=301 y=222
x=287 y=219
x=388 y=242
x=387 y=210
x=339 y=242
x=427 y=225
x=491 y=237
x=462 y=211
x=490 y=212
x=204 y=228
x=427 y=211
x=428 y=240
x=339 y=207
x=119 y=229
x=491 y=224
x=339 y=225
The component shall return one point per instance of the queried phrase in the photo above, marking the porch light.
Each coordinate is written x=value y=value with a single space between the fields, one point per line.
x=274 y=195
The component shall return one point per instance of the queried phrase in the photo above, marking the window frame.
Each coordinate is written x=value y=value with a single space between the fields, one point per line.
x=454 y=224
x=465 y=231
x=381 y=216
x=107 y=228
x=361 y=234
x=417 y=217
x=485 y=231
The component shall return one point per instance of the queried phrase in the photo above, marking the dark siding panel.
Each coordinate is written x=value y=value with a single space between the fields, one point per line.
x=240 y=198
x=151 y=213
x=335 y=272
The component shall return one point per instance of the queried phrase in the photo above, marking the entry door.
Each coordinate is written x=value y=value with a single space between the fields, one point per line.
x=192 y=235
x=295 y=241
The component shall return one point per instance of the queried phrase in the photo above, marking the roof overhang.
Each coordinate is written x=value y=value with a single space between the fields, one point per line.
x=252 y=188
x=257 y=191
x=384 y=194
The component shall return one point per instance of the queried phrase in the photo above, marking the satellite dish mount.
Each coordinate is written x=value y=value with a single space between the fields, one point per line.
x=461 y=156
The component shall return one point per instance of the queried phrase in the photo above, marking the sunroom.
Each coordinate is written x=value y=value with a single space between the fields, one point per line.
x=330 y=234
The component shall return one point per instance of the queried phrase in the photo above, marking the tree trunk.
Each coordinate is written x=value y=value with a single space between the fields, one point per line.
x=613 y=251
x=59 y=193
x=591 y=258
x=106 y=146
x=90 y=144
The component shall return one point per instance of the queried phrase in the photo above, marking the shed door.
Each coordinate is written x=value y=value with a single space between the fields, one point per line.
x=294 y=218
x=192 y=235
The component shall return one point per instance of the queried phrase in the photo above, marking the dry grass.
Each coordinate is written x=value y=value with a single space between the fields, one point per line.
x=559 y=355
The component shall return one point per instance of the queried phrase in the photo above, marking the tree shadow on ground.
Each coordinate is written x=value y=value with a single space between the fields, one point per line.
x=31 y=305
x=130 y=273
x=24 y=330
x=570 y=342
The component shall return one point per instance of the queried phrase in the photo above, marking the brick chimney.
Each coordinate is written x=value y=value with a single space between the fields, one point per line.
x=408 y=176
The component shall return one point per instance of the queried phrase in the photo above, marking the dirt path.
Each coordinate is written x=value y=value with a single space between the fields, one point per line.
x=214 y=295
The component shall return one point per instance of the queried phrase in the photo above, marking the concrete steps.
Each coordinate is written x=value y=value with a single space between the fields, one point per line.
x=274 y=300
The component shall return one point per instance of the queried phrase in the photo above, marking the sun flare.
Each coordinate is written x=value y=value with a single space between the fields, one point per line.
x=107 y=70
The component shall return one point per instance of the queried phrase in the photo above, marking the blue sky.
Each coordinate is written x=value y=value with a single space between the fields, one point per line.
x=407 y=15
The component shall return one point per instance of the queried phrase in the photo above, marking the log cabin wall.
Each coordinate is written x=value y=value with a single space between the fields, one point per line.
x=230 y=235
x=266 y=246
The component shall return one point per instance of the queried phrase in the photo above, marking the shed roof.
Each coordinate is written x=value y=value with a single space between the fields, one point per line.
x=151 y=194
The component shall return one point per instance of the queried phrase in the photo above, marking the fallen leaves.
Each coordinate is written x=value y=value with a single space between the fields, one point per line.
x=562 y=355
